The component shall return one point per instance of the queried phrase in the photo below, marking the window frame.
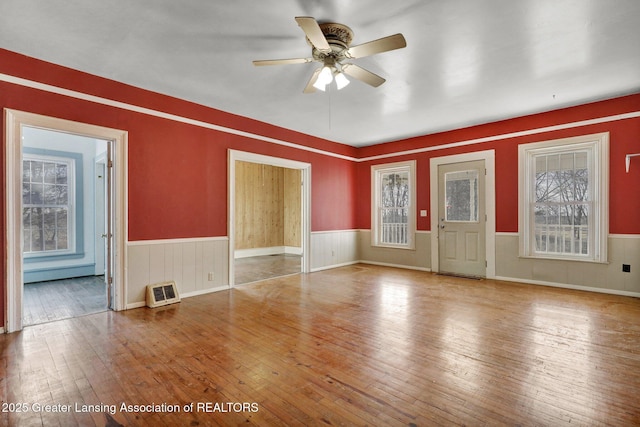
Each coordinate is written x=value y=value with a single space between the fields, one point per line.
x=75 y=231
x=597 y=146
x=376 y=175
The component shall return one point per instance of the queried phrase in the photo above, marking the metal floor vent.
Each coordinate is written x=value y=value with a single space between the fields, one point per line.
x=162 y=294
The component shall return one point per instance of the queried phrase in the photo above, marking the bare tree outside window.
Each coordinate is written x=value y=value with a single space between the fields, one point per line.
x=562 y=203
x=394 y=207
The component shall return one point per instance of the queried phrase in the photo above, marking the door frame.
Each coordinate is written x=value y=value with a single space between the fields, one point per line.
x=14 y=121
x=490 y=205
x=305 y=170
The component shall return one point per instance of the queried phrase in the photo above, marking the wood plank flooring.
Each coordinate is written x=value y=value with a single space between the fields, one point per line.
x=254 y=269
x=358 y=345
x=62 y=299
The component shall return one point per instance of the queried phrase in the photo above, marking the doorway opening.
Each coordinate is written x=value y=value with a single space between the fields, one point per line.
x=268 y=217
x=64 y=217
x=463 y=214
x=65 y=235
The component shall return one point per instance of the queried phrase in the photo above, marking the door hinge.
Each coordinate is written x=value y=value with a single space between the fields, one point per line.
x=110 y=164
x=110 y=280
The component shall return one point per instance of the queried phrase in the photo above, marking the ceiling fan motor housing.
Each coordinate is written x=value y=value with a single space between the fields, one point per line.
x=339 y=37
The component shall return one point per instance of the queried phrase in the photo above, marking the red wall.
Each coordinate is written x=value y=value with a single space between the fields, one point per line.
x=624 y=138
x=177 y=173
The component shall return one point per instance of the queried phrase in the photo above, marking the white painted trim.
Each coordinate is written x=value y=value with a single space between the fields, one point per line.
x=386 y=264
x=273 y=250
x=332 y=266
x=568 y=286
x=352 y=230
x=507 y=234
x=376 y=171
x=132 y=305
x=148 y=111
x=14 y=121
x=490 y=204
x=598 y=143
x=176 y=241
x=624 y=236
x=1 y=330
x=305 y=170
x=204 y=291
x=571 y=125
x=122 y=105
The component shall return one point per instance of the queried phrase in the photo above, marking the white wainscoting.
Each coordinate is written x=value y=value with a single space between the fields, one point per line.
x=330 y=249
x=590 y=276
x=186 y=261
x=415 y=259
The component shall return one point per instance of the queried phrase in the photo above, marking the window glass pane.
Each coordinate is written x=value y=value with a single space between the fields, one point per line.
x=561 y=209
x=61 y=173
x=45 y=198
x=461 y=195
x=393 y=212
x=49 y=173
x=36 y=194
x=36 y=171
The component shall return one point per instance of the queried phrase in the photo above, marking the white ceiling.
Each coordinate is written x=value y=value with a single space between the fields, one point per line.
x=466 y=61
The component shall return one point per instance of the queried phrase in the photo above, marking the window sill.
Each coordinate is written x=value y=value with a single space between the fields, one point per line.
x=561 y=258
x=406 y=248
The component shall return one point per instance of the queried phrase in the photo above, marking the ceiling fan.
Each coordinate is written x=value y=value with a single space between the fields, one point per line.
x=331 y=46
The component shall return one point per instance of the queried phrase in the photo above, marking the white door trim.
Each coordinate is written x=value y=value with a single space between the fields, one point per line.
x=14 y=121
x=305 y=169
x=490 y=204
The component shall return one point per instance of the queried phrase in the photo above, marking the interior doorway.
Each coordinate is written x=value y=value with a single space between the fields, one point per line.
x=463 y=214
x=268 y=217
x=65 y=195
x=54 y=223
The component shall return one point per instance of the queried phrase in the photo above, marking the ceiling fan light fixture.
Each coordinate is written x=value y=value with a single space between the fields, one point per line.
x=324 y=78
x=341 y=81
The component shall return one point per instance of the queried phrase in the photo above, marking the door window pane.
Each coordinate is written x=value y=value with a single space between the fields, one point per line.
x=461 y=195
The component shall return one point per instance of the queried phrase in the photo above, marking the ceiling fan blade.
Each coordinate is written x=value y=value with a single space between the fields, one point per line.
x=262 y=62
x=384 y=44
x=310 y=88
x=363 y=75
x=314 y=33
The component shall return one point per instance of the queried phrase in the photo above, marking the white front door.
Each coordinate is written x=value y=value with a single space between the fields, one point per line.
x=461 y=218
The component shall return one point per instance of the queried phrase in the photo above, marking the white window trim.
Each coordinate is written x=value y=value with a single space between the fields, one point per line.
x=376 y=171
x=599 y=143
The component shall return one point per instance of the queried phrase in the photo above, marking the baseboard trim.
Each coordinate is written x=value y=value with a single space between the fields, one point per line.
x=205 y=291
x=386 y=264
x=273 y=250
x=140 y=304
x=329 y=267
x=568 y=286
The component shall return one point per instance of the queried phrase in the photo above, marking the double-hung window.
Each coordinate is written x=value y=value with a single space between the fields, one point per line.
x=47 y=205
x=393 y=205
x=564 y=198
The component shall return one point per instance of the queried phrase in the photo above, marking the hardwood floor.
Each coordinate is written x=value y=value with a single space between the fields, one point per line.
x=62 y=299
x=358 y=345
x=254 y=269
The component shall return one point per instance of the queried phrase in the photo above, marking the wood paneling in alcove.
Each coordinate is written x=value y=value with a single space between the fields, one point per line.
x=268 y=206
